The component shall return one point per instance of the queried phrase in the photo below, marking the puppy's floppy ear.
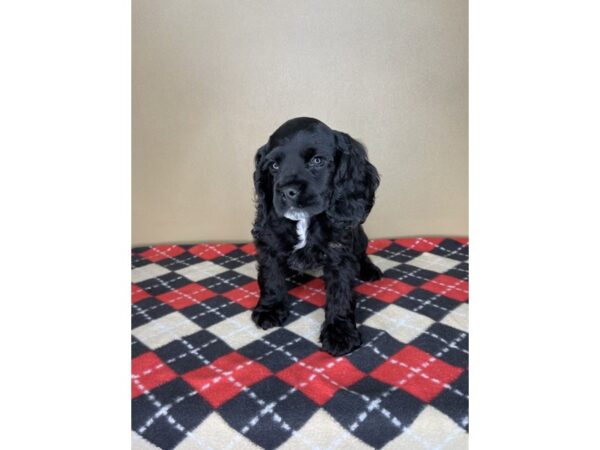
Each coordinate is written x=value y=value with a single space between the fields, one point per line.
x=354 y=183
x=263 y=189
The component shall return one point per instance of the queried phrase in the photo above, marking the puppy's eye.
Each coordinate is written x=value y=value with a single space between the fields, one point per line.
x=316 y=161
x=275 y=166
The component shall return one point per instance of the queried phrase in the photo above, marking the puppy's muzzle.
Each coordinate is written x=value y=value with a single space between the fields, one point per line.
x=290 y=194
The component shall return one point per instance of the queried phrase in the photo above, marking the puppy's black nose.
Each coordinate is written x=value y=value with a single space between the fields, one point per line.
x=290 y=193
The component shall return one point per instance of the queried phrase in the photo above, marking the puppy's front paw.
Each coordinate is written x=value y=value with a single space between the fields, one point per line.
x=340 y=337
x=269 y=317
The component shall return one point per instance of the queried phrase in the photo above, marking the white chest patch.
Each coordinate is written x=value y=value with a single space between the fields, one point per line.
x=302 y=220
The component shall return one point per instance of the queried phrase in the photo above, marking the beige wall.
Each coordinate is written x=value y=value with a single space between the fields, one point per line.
x=213 y=79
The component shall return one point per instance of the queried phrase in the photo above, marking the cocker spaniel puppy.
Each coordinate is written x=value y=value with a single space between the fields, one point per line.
x=314 y=189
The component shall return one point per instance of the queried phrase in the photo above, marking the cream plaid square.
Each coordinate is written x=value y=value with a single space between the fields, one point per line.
x=200 y=271
x=238 y=330
x=323 y=431
x=248 y=269
x=165 y=329
x=403 y=324
x=458 y=318
x=435 y=263
x=309 y=326
x=383 y=263
x=215 y=433
x=432 y=429
x=146 y=272
x=139 y=443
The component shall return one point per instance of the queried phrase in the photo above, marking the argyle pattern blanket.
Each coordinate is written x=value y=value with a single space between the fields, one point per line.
x=204 y=376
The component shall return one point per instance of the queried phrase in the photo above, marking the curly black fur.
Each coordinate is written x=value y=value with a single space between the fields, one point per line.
x=307 y=166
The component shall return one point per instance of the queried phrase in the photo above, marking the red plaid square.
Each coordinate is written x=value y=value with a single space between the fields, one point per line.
x=417 y=372
x=387 y=290
x=187 y=295
x=246 y=295
x=211 y=251
x=311 y=292
x=420 y=244
x=249 y=248
x=226 y=377
x=378 y=245
x=137 y=293
x=161 y=252
x=448 y=286
x=149 y=371
x=319 y=376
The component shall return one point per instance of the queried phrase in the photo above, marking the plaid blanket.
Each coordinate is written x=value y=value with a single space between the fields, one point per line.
x=204 y=376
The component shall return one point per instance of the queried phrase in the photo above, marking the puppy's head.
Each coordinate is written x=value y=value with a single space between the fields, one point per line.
x=306 y=169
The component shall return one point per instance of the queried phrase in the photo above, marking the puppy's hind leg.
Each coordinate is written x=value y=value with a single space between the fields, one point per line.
x=368 y=270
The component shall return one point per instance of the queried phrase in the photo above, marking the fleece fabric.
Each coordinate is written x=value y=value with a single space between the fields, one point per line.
x=204 y=376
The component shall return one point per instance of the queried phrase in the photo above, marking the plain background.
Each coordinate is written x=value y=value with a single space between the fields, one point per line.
x=213 y=79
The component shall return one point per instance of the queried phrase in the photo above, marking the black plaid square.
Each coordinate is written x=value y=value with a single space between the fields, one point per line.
x=137 y=348
x=461 y=271
x=454 y=402
x=279 y=349
x=452 y=249
x=447 y=342
x=365 y=357
x=412 y=275
x=248 y=412
x=226 y=281
x=184 y=411
x=398 y=253
x=180 y=261
x=212 y=311
x=198 y=350
x=234 y=259
x=163 y=283
x=298 y=309
x=365 y=412
x=428 y=303
x=139 y=261
x=148 y=310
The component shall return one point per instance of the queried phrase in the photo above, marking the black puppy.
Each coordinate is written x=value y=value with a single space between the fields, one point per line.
x=314 y=189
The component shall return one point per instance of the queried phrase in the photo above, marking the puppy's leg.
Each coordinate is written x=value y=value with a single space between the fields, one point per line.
x=271 y=309
x=339 y=334
x=368 y=270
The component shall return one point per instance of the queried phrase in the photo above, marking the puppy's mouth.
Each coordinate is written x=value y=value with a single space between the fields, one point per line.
x=296 y=214
x=302 y=208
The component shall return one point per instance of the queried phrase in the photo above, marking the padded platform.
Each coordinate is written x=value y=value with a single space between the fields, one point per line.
x=204 y=376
